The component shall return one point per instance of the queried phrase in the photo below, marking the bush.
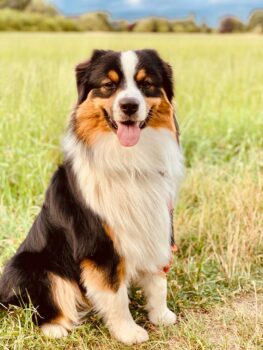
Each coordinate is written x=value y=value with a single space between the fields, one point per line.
x=255 y=22
x=204 y=28
x=41 y=6
x=163 y=25
x=145 y=25
x=97 y=21
x=12 y=20
x=120 y=26
x=187 y=25
x=14 y=4
x=231 y=25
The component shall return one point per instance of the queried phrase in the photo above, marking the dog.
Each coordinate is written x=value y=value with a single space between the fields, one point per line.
x=105 y=222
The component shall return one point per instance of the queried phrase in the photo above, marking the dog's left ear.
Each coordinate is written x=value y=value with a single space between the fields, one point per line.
x=167 y=73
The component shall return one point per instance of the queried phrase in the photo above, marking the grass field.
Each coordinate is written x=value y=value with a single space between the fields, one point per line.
x=216 y=283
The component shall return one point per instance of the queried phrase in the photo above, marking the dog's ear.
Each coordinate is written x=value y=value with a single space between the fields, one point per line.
x=167 y=73
x=83 y=72
x=168 y=87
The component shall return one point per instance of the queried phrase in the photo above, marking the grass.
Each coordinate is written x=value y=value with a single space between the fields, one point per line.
x=216 y=281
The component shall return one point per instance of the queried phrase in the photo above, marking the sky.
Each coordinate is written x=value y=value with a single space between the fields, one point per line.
x=209 y=11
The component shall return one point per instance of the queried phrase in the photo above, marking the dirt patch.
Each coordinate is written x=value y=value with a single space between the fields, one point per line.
x=237 y=325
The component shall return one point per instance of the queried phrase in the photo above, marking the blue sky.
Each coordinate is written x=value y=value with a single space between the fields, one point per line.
x=208 y=10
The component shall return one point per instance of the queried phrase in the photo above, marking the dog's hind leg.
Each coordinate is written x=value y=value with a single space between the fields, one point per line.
x=54 y=298
x=69 y=301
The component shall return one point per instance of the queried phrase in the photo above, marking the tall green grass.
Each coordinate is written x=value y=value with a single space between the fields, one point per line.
x=219 y=103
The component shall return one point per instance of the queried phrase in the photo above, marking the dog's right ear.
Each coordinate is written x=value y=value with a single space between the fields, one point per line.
x=82 y=74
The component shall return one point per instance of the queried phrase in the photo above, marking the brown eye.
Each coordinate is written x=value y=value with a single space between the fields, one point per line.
x=145 y=84
x=109 y=85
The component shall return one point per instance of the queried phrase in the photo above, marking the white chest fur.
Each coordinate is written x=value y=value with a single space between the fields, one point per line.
x=130 y=188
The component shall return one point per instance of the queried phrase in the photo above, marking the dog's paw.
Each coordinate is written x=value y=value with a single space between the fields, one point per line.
x=54 y=330
x=131 y=334
x=165 y=318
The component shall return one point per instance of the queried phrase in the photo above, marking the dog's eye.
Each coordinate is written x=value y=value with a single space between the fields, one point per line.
x=109 y=85
x=145 y=84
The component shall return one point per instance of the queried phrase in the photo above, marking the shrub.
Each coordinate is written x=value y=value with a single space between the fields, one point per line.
x=145 y=25
x=204 y=28
x=97 y=21
x=12 y=20
x=41 y=6
x=163 y=25
x=120 y=26
x=185 y=25
x=14 y=4
x=231 y=25
x=255 y=22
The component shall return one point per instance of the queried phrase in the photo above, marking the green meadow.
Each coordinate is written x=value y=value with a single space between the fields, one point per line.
x=216 y=282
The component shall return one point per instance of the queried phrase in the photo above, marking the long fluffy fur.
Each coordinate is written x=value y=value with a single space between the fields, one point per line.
x=105 y=222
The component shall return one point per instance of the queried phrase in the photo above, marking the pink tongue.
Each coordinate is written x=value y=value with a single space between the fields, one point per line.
x=128 y=135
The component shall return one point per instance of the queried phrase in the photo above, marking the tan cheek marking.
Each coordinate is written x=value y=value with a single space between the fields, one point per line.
x=113 y=76
x=90 y=120
x=162 y=116
x=140 y=75
x=68 y=298
x=153 y=102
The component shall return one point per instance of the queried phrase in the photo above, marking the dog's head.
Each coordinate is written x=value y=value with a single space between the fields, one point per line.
x=123 y=93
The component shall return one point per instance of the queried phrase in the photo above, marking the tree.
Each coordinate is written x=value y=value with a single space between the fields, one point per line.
x=145 y=25
x=15 y=4
x=231 y=25
x=255 y=21
x=97 y=21
x=185 y=25
x=43 y=7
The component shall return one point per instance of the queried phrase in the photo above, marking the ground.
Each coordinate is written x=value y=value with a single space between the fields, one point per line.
x=215 y=284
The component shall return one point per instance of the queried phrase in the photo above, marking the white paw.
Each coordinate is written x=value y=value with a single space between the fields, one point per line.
x=131 y=334
x=166 y=317
x=54 y=330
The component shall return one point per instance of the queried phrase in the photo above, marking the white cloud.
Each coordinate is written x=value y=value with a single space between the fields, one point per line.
x=134 y=2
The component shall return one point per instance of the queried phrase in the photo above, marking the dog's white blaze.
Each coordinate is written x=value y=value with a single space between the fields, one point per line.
x=125 y=186
x=129 y=61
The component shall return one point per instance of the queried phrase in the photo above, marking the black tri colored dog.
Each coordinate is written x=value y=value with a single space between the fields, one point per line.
x=105 y=222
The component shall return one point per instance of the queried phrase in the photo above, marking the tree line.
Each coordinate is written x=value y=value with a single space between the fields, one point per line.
x=40 y=15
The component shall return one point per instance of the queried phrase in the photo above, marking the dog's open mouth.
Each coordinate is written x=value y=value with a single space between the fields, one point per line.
x=128 y=132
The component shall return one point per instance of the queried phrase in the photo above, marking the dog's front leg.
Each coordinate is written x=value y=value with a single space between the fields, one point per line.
x=155 y=290
x=114 y=307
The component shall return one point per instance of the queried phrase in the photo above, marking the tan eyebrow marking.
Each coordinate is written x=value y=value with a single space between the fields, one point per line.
x=114 y=76
x=141 y=75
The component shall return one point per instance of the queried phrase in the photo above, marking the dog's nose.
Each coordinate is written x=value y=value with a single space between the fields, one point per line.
x=129 y=105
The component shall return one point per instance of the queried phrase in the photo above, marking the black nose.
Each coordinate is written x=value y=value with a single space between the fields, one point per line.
x=129 y=105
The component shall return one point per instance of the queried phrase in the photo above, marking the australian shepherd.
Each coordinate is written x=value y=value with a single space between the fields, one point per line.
x=106 y=219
